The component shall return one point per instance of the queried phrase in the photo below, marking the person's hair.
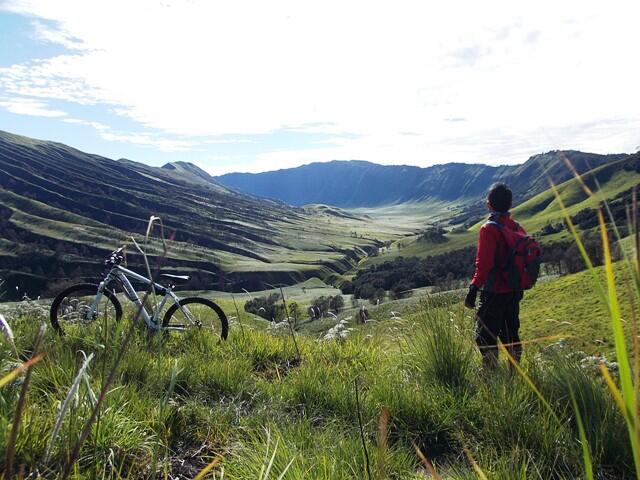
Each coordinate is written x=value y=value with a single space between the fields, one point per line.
x=500 y=197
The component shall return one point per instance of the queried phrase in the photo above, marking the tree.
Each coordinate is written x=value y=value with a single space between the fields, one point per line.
x=402 y=289
x=365 y=291
x=347 y=287
x=322 y=304
x=336 y=303
x=434 y=235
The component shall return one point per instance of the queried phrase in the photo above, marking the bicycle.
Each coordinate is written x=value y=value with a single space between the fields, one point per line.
x=71 y=306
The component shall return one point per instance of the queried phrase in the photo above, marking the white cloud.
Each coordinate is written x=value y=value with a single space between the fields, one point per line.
x=96 y=125
x=52 y=35
x=27 y=106
x=374 y=70
x=145 y=139
x=136 y=138
x=162 y=144
x=228 y=140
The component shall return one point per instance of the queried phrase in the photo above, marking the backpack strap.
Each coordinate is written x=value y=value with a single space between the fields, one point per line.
x=497 y=224
x=509 y=252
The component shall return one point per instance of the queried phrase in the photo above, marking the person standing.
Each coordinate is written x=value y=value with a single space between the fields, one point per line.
x=499 y=277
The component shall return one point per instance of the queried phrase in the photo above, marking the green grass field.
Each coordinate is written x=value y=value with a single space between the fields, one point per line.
x=177 y=404
x=570 y=306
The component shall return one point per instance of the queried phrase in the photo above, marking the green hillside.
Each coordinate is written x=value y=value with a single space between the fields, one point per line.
x=62 y=211
x=607 y=182
x=570 y=306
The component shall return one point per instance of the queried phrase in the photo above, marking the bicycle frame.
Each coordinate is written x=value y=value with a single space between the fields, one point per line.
x=152 y=320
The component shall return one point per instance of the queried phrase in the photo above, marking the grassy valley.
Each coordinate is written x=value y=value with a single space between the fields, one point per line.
x=609 y=182
x=400 y=396
x=62 y=210
x=319 y=241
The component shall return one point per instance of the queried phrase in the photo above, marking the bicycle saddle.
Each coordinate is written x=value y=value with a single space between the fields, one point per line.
x=175 y=277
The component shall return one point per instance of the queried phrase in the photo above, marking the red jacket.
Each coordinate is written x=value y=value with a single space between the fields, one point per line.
x=492 y=248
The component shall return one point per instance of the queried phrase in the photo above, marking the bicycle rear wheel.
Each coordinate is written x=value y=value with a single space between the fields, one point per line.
x=71 y=307
x=204 y=315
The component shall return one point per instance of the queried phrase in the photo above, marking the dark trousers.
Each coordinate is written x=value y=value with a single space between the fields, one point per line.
x=498 y=318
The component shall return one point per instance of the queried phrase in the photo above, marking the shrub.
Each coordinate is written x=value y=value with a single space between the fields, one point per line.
x=442 y=351
x=336 y=303
x=270 y=307
x=402 y=289
x=434 y=235
x=413 y=272
x=326 y=303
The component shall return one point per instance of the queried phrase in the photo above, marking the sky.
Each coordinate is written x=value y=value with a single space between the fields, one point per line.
x=261 y=85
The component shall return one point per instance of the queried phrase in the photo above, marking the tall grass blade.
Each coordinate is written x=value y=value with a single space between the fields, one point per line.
x=364 y=443
x=203 y=473
x=12 y=375
x=266 y=455
x=577 y=175
x=75 y=454
x=293 y=333
x=172 y=385
x=628 y=416
x=383 y=441
x=103 y=393
x=578 y=240
x=626 y=375
x=615 y=392
x=581 y=247
x=586 y=454
x=22 y=400
x=235 y=304
x=516 y=365
x=5 y=328
x=87 y=383
x=627 y=401
x=618 y=332
x=425 y=462
x=270 y=465
x=636 y=230
x=65 y=406
x=286 y=469
x=152 y=220
x=476 y=468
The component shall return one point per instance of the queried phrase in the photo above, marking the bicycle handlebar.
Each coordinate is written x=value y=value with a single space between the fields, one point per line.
x=115 y=258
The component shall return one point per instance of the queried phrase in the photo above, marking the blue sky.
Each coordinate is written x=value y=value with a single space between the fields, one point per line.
x=254 y=86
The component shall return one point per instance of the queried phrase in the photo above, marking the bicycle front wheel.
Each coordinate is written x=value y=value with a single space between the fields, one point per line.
x=200 y=313
x=71 y=307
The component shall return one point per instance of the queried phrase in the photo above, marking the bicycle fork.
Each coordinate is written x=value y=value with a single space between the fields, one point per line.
x=92 y=312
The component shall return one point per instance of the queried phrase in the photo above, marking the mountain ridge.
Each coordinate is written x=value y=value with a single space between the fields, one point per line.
x=359 y=183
